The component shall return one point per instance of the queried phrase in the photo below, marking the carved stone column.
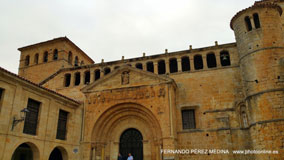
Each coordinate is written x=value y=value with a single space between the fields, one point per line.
x=179 y=65
x=92 y=74
x=167 y=63
x=204 y=59
x=191 y=59
x=156 y=67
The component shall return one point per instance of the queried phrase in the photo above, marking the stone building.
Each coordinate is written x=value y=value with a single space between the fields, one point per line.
x=224 y=97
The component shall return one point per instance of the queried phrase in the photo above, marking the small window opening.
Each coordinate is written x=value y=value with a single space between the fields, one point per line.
x=248 y=23
x=77 y=78
x=256 y=20
x=55 y=54
x=87 y=77
x=27 y=61
x=198 y=62
x=45 y=56
x=107 y=70
x=150 y=67
x=67 y=79
x=185 y=64
x=97 y=74
x=139 y=66
x=173 y=65
x=225 y=58
x=211 y=60
x=76 y=61
x=70 y=57
x=36 y=58
x=161 y=67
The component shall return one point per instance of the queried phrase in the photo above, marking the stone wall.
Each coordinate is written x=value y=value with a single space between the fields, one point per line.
x=15 y=97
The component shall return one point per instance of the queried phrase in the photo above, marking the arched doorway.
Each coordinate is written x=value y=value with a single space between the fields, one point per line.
x=114 y=122
x=23 y=152
x=131 y=141
x=55 y=155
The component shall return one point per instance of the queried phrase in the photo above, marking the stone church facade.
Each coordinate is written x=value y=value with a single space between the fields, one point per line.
x=225 y=97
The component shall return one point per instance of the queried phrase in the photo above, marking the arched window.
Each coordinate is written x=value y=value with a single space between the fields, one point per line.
x=244 y=117
x=76 y=61
x=225 y=58
x=55 y=54
x=139 y=66
x=87 y=77
x=107 y=70
x=82 y=63
x=198 y=62
x=70 y=57
x=211 y=60
x=36 y=58
x=248 y=23
x=27 y=60
x=67 y=80
x=45 y=56
x=77 y=79
x=97 y=74
x=161 y=67
x=185 y=64
x=173 y=65
x=256 y=20
x=150 y=67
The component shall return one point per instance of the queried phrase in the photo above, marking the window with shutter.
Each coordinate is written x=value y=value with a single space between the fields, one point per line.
x=31 y=119
x=62 y=125
x=188 y=119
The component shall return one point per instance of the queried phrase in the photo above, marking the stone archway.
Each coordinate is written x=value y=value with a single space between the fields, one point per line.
x=58 y=153
x=115 y=121
x=26 y=151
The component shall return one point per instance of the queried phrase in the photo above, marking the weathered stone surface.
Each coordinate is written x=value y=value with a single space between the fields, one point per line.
x=238 y=106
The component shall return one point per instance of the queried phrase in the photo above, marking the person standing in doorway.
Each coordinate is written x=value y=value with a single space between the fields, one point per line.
x=119 y=157
x=130 y=157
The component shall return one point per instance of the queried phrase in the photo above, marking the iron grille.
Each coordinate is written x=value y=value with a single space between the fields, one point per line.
x=62 y=125
x=188 y=119
x=31 y=119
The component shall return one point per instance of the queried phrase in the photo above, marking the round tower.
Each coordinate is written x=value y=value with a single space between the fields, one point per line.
x=260 y=42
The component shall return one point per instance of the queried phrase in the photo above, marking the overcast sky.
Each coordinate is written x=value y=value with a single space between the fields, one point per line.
x=110 y=29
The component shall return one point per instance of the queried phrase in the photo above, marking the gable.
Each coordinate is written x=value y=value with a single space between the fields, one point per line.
x=126 y=77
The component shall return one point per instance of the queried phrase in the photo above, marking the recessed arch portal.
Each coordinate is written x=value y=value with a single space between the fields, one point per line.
x=113 y=122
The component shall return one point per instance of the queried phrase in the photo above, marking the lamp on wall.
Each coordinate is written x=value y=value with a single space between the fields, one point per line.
x=23 y=114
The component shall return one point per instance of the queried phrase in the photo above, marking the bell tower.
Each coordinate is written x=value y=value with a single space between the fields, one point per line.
x=41 y=60
x=260 y=42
